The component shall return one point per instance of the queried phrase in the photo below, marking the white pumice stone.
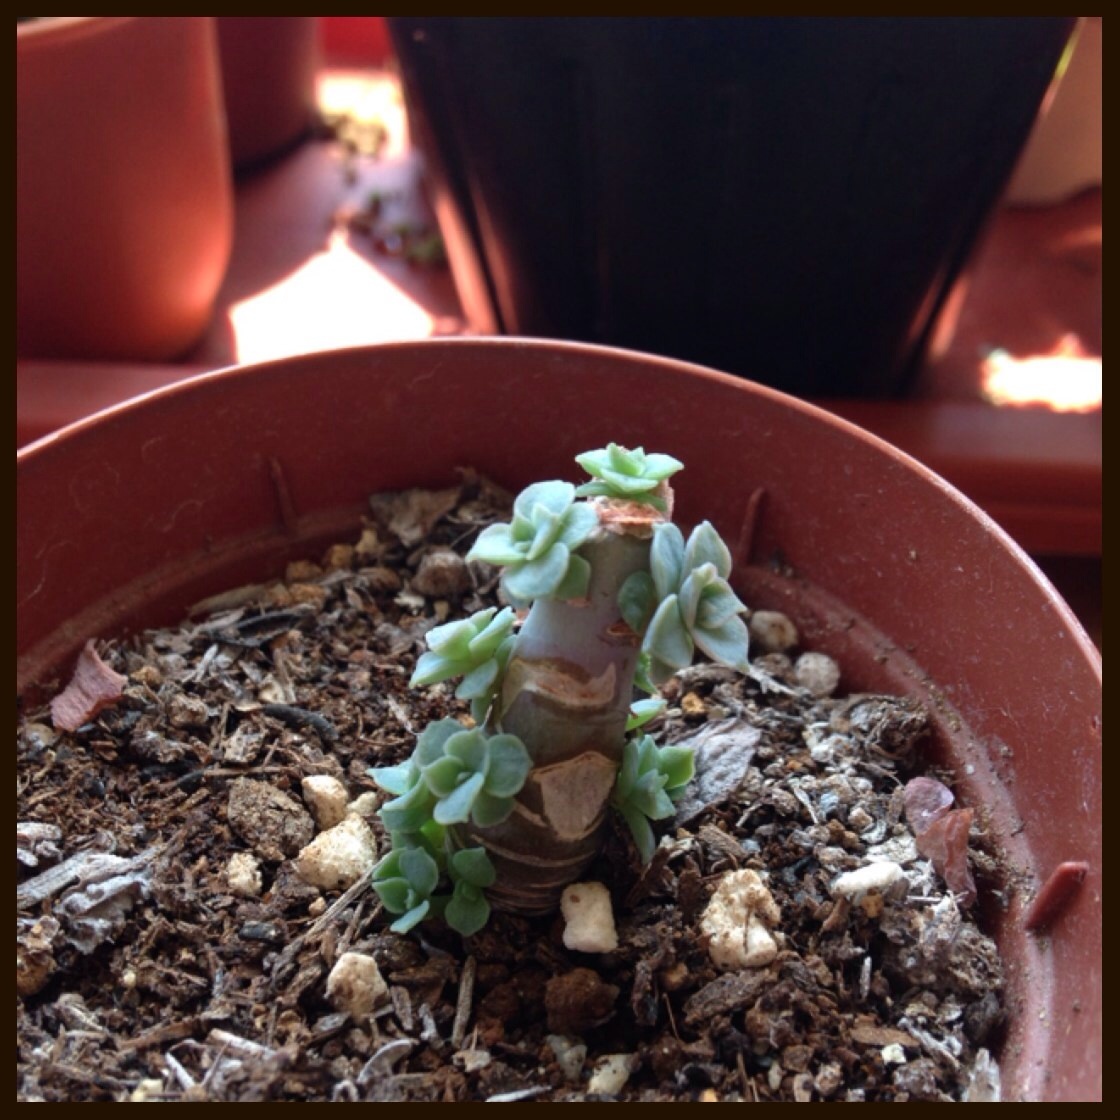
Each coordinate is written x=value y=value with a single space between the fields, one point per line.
x=366 y=804
x=817 y=672
x=773 y=631
x=327 y=799
x=879 y=877
x=589 y=919
x=570 y=1055
x=611 y=1074
x=738 y=921
x=339 y=857
x=355 y=984
x=243 y=875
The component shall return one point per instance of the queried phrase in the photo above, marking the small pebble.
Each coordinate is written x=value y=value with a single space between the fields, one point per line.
x=611 y=1074
x=738 y=921
x=270 y=821
x=355 y=984
x=147 y=1089
x=338 y=858
x=366 y=804
x=877 y=877
x=327 y=799
x=589 y=921
x=471 y=1061
x=442 y=574
x=773 y=631
x=243 y=875
x=893 y=1054
x=570 y=1055
x=818 y=673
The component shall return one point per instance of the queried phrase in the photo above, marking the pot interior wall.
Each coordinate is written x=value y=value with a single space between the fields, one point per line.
x=128 y=519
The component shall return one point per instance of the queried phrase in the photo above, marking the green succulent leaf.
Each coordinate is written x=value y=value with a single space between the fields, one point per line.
x=678 y=765
x=726 y=643
x=470 y=749
x=442 y=776
x=649 y=797
x=706 y=546
x=668 y=641
x=413 y=918
x=643 y=711
x=456 y=807
x=640 y=830
x=476 y=649
x=489 y=810
x=666 y=559
x=467 y=910
x=394 y=779
x=409 y=812
x=637 y=599
x=462 y=774
x=394 y=894
x=472 y=865
x=509 y=766
x=433 y=739
x=496 y=545
x=420 y=870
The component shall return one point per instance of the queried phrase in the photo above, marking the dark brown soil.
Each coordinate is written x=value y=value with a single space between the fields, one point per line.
x=143 y=976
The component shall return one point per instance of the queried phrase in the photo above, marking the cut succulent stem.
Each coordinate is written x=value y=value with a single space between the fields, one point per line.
x=514 y=810
x=566 y=695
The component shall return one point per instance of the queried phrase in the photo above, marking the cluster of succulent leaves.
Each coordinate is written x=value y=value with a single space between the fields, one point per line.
x=455 y=774
x=683 y=603
x=406 y=879
x=650 y=780
x=617 y=472
x=537 y=548
x=476 y=649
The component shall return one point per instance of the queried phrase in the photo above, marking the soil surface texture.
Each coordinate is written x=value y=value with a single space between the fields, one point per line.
x=195 y=919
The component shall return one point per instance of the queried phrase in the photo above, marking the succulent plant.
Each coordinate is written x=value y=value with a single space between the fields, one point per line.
x=511 y=810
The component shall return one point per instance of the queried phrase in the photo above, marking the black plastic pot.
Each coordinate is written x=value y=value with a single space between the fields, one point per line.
x=786 y=199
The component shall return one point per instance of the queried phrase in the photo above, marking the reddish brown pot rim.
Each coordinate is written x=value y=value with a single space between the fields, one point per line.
x=129 y=516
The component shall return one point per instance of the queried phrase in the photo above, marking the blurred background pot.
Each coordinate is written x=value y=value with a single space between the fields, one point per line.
x=786 y=199
x=124 y=204
x=128 y=518
x=269 y=66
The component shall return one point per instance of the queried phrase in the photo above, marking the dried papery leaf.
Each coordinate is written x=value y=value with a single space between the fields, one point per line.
x=411 y=514
x=945 y=844
x=93 y=687
x=926 y=801
x=722 y=753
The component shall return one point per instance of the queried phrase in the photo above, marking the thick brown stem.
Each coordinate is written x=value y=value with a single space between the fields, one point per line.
x=566 y=694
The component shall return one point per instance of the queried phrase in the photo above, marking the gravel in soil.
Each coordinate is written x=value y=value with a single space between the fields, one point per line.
x=195 y=921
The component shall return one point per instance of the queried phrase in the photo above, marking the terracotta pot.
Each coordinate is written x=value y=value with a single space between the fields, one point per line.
x=269 y=65
x=129 y=517
x=124 y=203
